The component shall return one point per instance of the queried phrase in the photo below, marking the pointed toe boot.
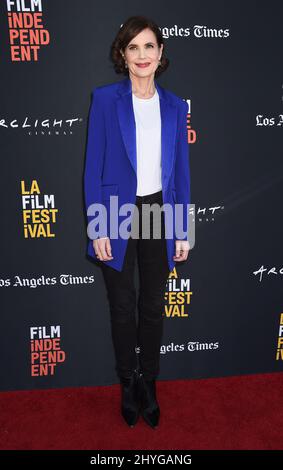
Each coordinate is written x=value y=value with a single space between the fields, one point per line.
x=149 y=405
x=130 y=404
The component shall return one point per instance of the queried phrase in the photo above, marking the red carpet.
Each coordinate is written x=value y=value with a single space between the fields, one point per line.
x=240 y=412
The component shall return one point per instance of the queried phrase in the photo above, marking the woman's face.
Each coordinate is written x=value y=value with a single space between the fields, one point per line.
x=142 y=49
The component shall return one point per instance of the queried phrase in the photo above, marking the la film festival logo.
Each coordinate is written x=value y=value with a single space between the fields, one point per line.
x=279 y=352
x=26 y=30
x=39 y=212
x=45 y=348
x=178 y=296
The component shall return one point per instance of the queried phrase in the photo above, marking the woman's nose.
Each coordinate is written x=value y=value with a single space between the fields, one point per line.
x=142 y=54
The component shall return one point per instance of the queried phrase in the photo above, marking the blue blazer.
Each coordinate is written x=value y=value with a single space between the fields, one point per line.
x=111 y=161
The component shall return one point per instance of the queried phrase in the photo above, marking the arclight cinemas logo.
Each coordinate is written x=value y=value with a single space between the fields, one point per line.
x=26 y=30
x=45 y=349
x=45 y=126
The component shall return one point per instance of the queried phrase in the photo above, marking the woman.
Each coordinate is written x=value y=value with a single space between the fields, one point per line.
x=137 y=153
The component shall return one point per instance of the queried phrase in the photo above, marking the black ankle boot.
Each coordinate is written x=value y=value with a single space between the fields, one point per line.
x=149 y=406
x=130 y=405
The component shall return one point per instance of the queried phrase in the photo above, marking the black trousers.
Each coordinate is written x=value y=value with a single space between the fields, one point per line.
x=151 y=254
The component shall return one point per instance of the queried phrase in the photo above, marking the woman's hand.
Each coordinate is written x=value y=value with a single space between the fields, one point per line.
x=102 y=248
x=182 y=250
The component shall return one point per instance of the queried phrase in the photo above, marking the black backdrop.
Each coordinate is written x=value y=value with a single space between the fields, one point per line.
x=226 y=60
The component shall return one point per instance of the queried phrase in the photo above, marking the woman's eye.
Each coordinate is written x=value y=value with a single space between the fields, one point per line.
x=134 y=47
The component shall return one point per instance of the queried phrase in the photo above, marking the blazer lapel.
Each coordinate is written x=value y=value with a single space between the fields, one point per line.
x=168 y=115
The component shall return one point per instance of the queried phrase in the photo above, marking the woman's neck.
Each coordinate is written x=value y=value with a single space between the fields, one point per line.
x=143 y=87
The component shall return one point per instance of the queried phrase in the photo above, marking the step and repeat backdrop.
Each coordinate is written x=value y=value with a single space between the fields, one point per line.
x=223 y=311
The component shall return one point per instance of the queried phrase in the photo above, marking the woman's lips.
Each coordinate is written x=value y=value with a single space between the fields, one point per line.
x=143 y=65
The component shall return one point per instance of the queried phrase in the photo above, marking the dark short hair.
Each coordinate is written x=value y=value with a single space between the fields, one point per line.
x=133 y=26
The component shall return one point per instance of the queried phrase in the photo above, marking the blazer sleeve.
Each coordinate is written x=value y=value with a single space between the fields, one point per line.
x=182 y=169
x=96 y=143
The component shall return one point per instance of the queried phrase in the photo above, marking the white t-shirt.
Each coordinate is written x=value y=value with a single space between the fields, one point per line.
x=148 y=140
